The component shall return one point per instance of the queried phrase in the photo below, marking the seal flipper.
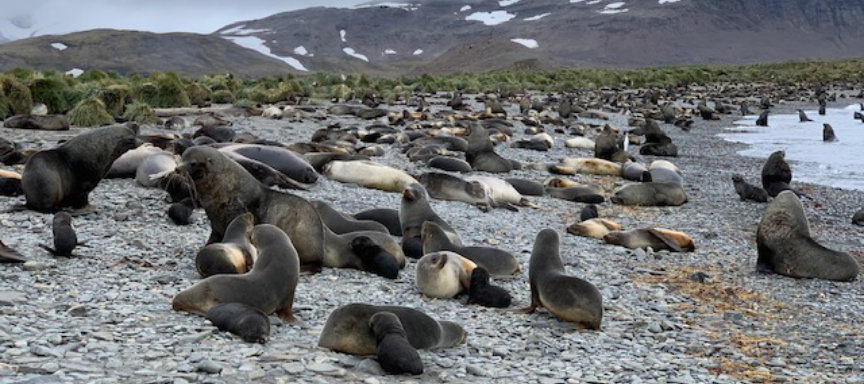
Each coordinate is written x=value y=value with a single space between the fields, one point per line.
x=9 y=255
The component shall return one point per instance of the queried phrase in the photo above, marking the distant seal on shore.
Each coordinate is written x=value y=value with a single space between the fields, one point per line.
x=226 y=190
x=386 y=216
x=481 y=152
x=567 y=297
x=802 y=116
x=413 y=211
x=235 y=255
x=38 y=122
x=369 y=174
x=269 y=286
x=776 y=174
x=785 y=245
x=395 y=354
x=243 y=320
x=341 y=223
x=443 y=275
x=347 y=329
x=9 y=255
x=656 y=238
x=64 y=176
x=748 y=191
x=495 y=261
x=650 y=195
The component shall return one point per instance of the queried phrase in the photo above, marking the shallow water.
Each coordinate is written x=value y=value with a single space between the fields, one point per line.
x=837 y=164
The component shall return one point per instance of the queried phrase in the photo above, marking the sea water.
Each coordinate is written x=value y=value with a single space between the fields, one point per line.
x=838 y=164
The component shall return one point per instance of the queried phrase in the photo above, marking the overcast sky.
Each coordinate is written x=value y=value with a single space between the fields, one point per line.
x=201 y=16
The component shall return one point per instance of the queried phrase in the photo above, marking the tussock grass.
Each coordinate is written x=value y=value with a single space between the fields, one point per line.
x=90 y=112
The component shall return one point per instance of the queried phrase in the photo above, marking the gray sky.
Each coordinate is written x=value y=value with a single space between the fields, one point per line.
x=201 y=16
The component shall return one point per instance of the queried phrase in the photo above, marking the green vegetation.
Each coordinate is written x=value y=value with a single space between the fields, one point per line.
x=134 y=95
x=140 y=113
x=90 y=112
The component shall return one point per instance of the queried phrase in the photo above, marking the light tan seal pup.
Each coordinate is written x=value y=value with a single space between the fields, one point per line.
x=443 y=275
x=368 y=174
x=594 y=228
x=269 y=286
x=656 y=238
x=567 y=297
x=785 y=245
x=347 y=329
x=588 y=166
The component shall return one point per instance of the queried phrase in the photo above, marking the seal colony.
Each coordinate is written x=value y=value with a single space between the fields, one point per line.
x=261 y=234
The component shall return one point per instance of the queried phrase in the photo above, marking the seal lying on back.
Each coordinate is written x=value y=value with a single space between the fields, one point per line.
x=242 y=320
x=569 y=298
x=64 y=176
x=269 y=286
x=786 y=247
x=494 y=260
x=395 y=353
x=347 y=329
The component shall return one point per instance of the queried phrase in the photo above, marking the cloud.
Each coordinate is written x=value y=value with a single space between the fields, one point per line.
x=199 y=16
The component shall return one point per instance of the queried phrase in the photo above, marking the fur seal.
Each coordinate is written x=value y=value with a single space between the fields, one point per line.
x=581 y=143
x=10 y=183
x=762 y=121
x=341 y=223
x=748 y=191
x=180 y=212
x=634 y=171
x=588 y=213
x=444 y=186
x=657 y=143
x=64 y=176
x=347 y=329
x=785 y=245
x=283 y=160
x=374 y=258
x=526 y=187
x=802 y=117
x=341 y=252
x=590 y=194
x=588 y=166
x=413 y=212
x=450 y=164
x=38 y=122
x=776 y=174
x=828 y=133
x=606 y=146
x=594 y=228
x=369 y=174
x=481 y=292
x=444 y=274
x=9 y=255
x=224 y=189
x=386 y=216
x=243 y=320
x=501 y=192
x=650 y=195
x=493 y=260
x=663 y=171
x=569 y=298
x=155 y=167
x=127 y=165
x=65 y=239
x=481 y=152
x=656 y=238
x=235 y=255
x=858 y=217
x=395 y=354
x=269 y=286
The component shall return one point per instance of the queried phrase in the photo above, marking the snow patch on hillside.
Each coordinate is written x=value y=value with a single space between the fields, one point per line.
x=351 y=52
x=257 y=44
x=491 y=18
x=530 y=43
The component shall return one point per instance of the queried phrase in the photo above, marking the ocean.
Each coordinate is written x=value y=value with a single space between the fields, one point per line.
x=837 y=164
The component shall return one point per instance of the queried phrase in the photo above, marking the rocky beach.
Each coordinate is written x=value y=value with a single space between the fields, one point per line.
x=701 y=317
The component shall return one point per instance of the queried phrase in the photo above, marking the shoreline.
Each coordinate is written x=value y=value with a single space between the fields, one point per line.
x=106 y=317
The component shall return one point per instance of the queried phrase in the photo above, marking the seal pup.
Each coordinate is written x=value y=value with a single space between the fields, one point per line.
x=225 y=189
x=269 y=286
x=802 y=117
x=395 y=354
x=590 y=194
x=347 y=329
x=595 y=228
x=569 y=298
x=481 y=292
x=450 y=164
x=650 y=195
x=341 y=223
x=748 y=191
x=785 y=245
x=656 y=238
x=9 y=255
x=386 y=216
x=65 y=239
x=762 y=121
x=10 y=183
x=481 y=152
x=243 y=320
x=374 y=258
x=502 y=193
x=180 y=212
x=368 y=174
x=496 y=261
x=235 y=255
x=414 y=210
x=776 y=174
x=828 y=133
x=443 y=275
x=858 y=217
x=588 y=213
x=64 y=176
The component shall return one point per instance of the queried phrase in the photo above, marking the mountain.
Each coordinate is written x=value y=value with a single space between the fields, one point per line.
x=481 y=35
x=130 y=51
